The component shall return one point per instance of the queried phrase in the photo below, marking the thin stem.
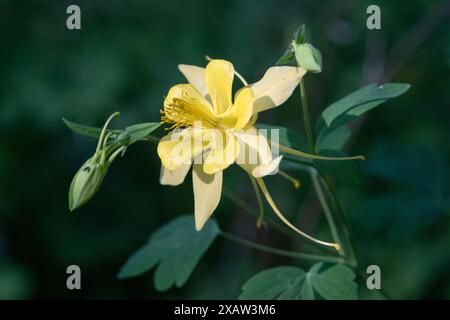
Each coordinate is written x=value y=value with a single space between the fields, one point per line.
x=150 y=138
x=269 y=199
x=305 y=155
x=274 y=224
x=344 y=221
x=102 y=135
x=306 y=120
x=287 y=176
x=259 y=199
x=326 y=208
x=280 y=252
x=252 y=211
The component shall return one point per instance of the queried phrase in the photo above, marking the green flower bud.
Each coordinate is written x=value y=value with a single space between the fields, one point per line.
x=308 y=57
x=86 y=182
x=123 y=138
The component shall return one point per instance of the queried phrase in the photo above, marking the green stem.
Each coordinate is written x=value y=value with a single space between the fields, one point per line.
x=249 y=209
x=259 y=199
x=306 y=120
x=326 y=209
x=349 y=243
x=270 y=221
x=280 y=252
x=344 y=222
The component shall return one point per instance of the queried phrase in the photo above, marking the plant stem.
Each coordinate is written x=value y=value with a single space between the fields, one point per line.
x=344 y=222
x=259 y=199
x=326 y=209
x=249 y=209
x=270 y=221
x=306 y=120
x=280 y=252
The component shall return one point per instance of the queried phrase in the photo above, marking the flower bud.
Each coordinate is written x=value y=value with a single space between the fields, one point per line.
x=86 y=182
x=308 y=57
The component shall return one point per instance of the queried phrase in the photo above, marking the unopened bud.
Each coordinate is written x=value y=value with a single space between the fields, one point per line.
x=308 y=57
x=86 y=182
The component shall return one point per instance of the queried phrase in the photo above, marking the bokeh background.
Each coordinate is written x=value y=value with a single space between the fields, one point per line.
x=125 y=59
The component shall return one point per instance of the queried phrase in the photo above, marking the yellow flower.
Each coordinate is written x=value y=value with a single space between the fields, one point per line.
x=211 y=131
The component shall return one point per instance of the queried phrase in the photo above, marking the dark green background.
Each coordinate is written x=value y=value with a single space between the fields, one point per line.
x=125 y=59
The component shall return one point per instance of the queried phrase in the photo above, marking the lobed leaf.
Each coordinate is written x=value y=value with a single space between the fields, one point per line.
x=293 y=283
x=175 y=249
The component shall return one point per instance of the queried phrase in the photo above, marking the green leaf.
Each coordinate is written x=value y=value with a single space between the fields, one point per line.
x=343 y=171
x=88 y=131
x=286 y=136
x=175 y=248
x=299 y=35
x=141 y=130
x=335 y=140
x=292 y=283
x=135 y=132
x=355 y=104
x=288 y=58
x=335 y=283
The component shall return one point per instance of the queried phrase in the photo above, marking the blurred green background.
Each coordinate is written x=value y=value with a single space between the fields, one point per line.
x=125 y=59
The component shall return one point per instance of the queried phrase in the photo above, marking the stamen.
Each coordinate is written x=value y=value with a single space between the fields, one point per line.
x=313 y=156
x=269 y=199
x=294 y=181
x=183 y=112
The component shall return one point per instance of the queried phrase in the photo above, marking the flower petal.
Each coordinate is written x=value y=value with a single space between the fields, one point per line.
x=178 y=148
x=242 y=110
x=219 y=80
x=195 y=75
x=207 y=192
x=224 y=151
x=173 y=177
x=275 y=87
x=255 y=155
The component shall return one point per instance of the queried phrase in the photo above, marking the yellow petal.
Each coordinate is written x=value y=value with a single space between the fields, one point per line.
x=173 y=177
x=242 y=110
x=255 y=155
x=219 y=80
x=178 y=148
x=275 y=87
x=207 y=192
x=195 y=75
x=224 y=151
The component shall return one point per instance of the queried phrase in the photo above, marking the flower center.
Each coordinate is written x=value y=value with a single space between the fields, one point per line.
x=185 y=111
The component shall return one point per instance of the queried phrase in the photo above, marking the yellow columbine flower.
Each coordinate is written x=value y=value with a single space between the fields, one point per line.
x=211 y=127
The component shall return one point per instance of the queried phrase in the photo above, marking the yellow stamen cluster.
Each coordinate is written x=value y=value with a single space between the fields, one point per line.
x=184 y=111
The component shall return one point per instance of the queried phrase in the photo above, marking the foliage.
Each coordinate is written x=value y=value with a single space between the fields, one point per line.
x=292 y=283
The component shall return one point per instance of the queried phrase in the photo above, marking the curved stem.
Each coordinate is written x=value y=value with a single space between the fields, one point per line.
x=287 y=176
x=302 y=154
x=269 y=199
x=249 y=209
x=280 y=252
x=326 y=208
x=102 y=134
x=344 y=221
x=260 y=203
x=307 y=122
x=274 y=224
